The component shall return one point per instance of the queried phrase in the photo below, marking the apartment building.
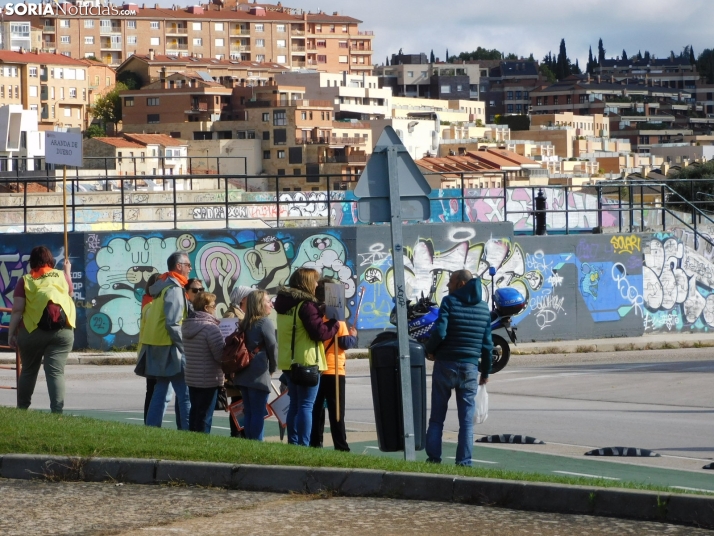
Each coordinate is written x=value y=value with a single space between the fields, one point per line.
x=17 y=35
x=21 y=143
x=150 y=67
x=670 y=72
x=584 y=125
x=243 y=32
x=177 y=98
x=52 y=85
x=137 y=154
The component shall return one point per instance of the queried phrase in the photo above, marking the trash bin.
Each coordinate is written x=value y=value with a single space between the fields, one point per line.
x=387 y=392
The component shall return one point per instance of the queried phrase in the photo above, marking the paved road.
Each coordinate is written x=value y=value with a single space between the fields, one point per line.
x=659 y=400
x=84 y=508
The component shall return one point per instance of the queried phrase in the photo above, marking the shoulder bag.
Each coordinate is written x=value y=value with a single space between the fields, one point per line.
x=306 y=375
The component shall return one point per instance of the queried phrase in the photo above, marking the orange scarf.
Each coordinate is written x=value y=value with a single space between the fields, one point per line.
x=40 y=271
x=177 y=276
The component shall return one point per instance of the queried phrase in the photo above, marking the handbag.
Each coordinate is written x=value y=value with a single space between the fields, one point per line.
x=221 y=399
x=305 y=375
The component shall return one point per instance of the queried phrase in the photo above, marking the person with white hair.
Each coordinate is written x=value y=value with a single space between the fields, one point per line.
x=239 y=298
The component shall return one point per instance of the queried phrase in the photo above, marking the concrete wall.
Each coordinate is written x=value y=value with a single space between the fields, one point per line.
x=577 y=286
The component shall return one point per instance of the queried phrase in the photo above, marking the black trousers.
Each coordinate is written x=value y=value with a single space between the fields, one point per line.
x=326 y=392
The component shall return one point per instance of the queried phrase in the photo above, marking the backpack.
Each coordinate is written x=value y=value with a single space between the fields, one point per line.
x=236 y=356
x=53 y=318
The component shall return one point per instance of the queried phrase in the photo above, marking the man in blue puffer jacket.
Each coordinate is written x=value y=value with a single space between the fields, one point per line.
x=460 y=346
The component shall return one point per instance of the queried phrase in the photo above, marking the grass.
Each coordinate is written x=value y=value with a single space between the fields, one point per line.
x=35 y=432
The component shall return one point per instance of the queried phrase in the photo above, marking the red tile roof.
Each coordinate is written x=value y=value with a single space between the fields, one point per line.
x=120 y=143
x=155 y=139
x=8 y=56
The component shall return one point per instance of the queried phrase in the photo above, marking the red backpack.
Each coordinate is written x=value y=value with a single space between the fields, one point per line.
x=236 y=356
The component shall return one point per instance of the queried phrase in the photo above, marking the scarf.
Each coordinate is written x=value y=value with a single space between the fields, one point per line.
x=182 y=280
x=40 y=271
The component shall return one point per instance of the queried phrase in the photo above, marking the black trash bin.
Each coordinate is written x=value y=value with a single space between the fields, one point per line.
x=387 y=392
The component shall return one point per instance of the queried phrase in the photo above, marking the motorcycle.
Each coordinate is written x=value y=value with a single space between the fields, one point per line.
x=506 y=303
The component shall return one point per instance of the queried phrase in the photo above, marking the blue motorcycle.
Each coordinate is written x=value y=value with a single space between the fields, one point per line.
x=505 y=303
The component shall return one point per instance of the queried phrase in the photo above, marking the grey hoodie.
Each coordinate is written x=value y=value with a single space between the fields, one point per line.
x=203 y=343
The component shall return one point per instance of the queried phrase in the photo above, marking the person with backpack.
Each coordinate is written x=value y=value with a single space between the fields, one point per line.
x=42 y=325
x=254 y=380
x=203 y=344
x=301 y=353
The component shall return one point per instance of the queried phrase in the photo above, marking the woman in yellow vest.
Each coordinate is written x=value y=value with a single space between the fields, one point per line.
x=42 y=325
x=301 y=332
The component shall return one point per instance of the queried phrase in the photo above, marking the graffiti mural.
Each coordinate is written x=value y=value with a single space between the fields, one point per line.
x=678 y=286
x=118 y=266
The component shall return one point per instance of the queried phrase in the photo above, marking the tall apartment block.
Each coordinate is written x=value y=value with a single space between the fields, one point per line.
x=241 y=31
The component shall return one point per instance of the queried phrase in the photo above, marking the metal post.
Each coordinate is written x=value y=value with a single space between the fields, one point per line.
x=329 y=224
x=598 y=189
x=24 y=208
x=277 y=201
x=175 y=207
x=664 y=212
x=64 y=208
x=632 y=208
x=226 y=189
x=463 y=199
x=619 y=209
x=567 y=213
x=401 y=305
x=121 y=193
x=505 y=197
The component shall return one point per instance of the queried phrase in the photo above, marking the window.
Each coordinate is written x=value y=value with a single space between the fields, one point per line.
x=52 y=92
x=423 y=74
x=295 y=157
x=519 y=108
x=131 y=24
x=258 y=27
x=321 y=58
x=61 y=93
x=128 y=102
x=280 y=28
x=509 y=108
x=445 y=89
x=219 y=42
x=555 y=99
x=509 y=95
x=518 y=95
x=197 y=42
x=280 y=136
x=281 y=43
x=525 y=95
x=88 y=39
x=539 y=101
x=344 y=28
x=343 y=44
x=266 y=135
x=218 y=27
x=64 y=39
x=152 y=101
x=33 y=91
x=282 y=59
x=131 y=39
x=73 y=93
x=155 y=41
x=410 y=74
x=343 y=59
x=154 y=25
x=108 y=82
x=332 y=28
x=152 y=118
x=260 y=43
x=459 y=87
x=582 y=99
x=266 y=155
x=64 y=23
x=196 y=26
x=281 y=153
x=88 y=23
x=318 y=28
x=67 y=112
x=33 y=72
x=260 y=58
x=545 y=101
x=569 y=99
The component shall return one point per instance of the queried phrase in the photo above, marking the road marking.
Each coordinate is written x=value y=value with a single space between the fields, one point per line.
x=219 y=427
x=692 y=489
x=472 y=459
x=142 y=420
x=586 y=475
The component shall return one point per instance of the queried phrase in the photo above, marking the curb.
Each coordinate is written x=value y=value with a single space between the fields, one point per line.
x=555 y=498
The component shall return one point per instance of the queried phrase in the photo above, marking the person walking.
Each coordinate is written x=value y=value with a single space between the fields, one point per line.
x=301 y=332
x=254 y=381
x=203 y=343
x=326 y=392
x=42 y=326
x=162 y=350
x=460 y=346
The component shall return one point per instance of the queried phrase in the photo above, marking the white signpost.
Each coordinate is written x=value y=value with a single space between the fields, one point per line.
x=64 y=149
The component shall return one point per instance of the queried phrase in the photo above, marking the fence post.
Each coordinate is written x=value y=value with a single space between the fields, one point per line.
x=329 y=202
x=175 y=206
x=226 y=190
x=277 y=202
x=598 y=189
x=463 y=199
x=121 y=193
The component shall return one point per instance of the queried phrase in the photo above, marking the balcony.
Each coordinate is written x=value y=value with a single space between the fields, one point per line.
x=240 y=48
x=197 y=108
x=298 y=63
x=297 y=33
x=239 y=31
x=348 y=141
x=311 y=46
x=49 y=45
x=361 y=48
x=108 y=45
x=49 y=28
x=311 y=141
x=176 y=30
x=177 y=46
x=369 y=32
x=44 y=93
x=114 y=28
x=296 y=48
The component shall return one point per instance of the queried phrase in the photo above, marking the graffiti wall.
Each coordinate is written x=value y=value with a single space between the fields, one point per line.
x=576 y=286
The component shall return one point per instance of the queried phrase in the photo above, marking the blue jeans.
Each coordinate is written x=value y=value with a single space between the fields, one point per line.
x=447 y=376
x=302 y=399
x=157 y=407
x=203 y=402
x=254 y=402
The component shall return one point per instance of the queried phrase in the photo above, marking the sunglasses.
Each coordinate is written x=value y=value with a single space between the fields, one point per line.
x=196 y=290
x=186 y=264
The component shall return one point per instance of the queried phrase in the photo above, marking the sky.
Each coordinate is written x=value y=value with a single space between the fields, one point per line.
x=525 y=26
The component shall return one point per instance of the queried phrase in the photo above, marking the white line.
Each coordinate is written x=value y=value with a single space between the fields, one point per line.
x=473 y=460
x=693 y=489
x=585 y=475
x=219 y=427
x=137 y=419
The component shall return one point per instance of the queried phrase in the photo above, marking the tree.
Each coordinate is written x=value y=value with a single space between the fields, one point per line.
x=447 y=55
x=480 y=54
x=130 y=79
x=685 y=190
x=600 y=52
x=562 y=68
x=546 y=73
x=705 y=65
x=647 y=56
x=692 y=59
x=432 y=58
x=591 y=62
x=624 y=55
x=575 y=69
x=387 y=62
x=107 y=107
x=94 y=131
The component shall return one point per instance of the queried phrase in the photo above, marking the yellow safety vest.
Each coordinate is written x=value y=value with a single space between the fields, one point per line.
x=307 y=351
x=53 y=287
x=153 y=323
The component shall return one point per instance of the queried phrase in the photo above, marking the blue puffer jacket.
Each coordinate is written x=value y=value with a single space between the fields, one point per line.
x=463 y=330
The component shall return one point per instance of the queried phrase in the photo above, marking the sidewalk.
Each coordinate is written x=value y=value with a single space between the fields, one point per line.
x=648 y=342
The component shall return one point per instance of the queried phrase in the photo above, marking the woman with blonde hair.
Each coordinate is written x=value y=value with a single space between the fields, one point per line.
x=254 y=380
x=301 y=332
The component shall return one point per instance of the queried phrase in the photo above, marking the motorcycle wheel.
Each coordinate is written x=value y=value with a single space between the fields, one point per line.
x=501 y=353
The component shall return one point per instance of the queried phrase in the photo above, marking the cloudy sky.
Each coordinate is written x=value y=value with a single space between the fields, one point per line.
x=525 y=26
